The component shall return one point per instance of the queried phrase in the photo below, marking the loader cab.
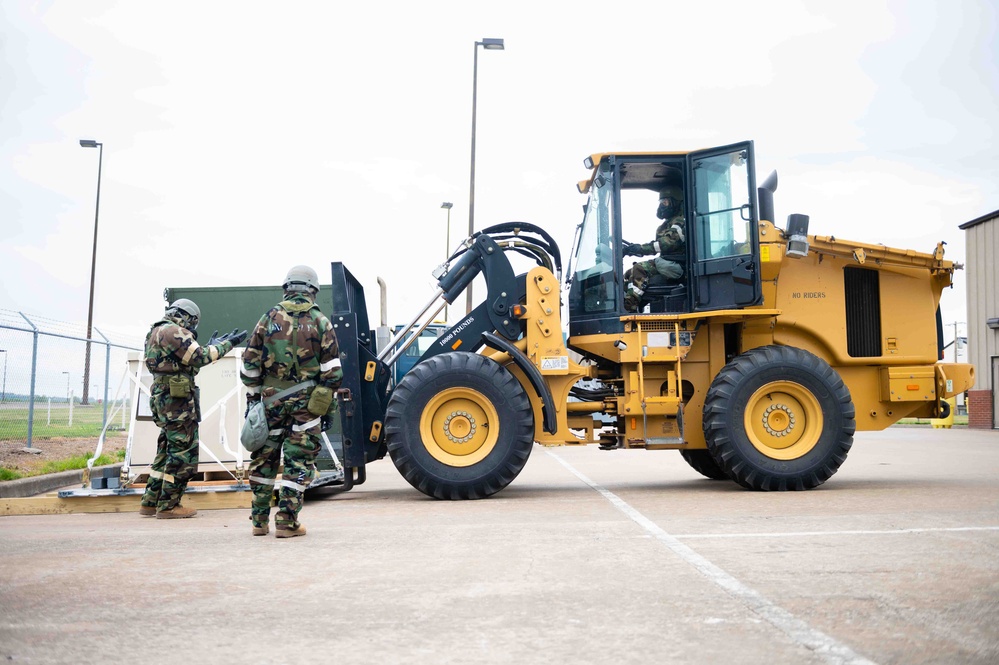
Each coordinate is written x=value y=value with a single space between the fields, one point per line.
x=721 y=254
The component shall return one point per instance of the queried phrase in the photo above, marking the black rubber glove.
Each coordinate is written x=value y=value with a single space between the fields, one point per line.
x=221 y=338
x=214 y=339
x=237 y=337
x=632 y=249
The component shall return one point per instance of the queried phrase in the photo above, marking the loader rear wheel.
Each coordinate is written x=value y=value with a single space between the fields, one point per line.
x=459 y=426
x=703 y=463
x=778 y=418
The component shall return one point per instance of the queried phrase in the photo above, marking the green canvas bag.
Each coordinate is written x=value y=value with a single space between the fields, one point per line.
x=253 y=434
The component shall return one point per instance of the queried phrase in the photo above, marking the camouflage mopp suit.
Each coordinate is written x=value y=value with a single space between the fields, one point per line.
x=174 y=357
x=291 y=354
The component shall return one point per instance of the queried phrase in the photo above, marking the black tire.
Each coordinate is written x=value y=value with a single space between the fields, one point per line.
x=703 y=463
x=778 y=418
x=459 y=426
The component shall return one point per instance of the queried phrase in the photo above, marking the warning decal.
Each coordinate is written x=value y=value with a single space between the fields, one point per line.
x=555 y=362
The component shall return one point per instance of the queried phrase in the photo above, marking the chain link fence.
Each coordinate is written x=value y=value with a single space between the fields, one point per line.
x=56 y=383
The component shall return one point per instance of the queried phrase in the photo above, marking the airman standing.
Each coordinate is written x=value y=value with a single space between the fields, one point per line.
x=174 y=358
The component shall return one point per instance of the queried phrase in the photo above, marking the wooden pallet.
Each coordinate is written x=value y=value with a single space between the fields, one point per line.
x=211 y=495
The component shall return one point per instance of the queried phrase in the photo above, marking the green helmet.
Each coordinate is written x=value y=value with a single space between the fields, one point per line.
x=187 y=307
x=301 y=278
x=671 y=191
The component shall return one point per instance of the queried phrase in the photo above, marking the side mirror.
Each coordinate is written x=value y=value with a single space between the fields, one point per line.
x=797 y=232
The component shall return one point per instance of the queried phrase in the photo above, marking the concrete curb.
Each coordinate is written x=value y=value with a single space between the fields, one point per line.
x=23 y=487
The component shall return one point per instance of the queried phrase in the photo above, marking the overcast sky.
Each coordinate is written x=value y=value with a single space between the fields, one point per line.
x=241 y=138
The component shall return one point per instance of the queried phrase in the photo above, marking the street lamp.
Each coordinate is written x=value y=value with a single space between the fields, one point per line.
x=489 y=45
x=447 y=246
x=957 y=340
x=90 y=143
x=67 y=386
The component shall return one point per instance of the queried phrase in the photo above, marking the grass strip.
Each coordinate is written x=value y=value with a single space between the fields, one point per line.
x=68 y=464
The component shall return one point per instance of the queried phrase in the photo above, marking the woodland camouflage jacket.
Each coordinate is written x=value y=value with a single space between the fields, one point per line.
x=172 y=349
x=670 y=239
x=292 y=342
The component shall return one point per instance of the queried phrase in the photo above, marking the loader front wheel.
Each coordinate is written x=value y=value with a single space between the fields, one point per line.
x=459 y=426
x=778 y=418
x=703 y=463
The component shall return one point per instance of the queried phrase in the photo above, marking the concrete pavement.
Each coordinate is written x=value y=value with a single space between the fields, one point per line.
x=588 y=557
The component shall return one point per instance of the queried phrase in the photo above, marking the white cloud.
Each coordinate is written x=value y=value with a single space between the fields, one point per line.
x=241 y=138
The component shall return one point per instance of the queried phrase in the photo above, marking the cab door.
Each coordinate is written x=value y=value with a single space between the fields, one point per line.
x=725 y=254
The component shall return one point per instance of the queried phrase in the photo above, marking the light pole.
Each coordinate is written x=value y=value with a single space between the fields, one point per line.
x=90 y=143
x=489 y=45
x=3 y=395
x=447 y=245
x=957 y=340
x=67 y=386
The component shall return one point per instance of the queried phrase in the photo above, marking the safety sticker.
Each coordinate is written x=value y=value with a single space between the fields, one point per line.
x=554 y=362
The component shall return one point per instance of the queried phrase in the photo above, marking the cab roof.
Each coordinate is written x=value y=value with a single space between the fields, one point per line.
x=647 y=179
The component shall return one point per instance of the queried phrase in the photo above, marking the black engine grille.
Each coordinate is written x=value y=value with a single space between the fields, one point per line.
x=863 y=312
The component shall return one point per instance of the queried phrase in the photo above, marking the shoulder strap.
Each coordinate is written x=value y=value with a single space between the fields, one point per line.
x=295 y=307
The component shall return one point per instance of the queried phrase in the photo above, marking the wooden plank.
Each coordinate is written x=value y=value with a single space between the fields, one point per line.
x=52 y=504
x=194 y=483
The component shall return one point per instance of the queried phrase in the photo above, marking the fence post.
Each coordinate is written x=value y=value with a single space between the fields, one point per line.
x=107 y=374
x=36 y=332
x=34 y=367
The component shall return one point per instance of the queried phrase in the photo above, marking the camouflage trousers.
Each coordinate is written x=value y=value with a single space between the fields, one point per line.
x=293 y=440
x=671 y=270
x=176 y=459
x=639 y=277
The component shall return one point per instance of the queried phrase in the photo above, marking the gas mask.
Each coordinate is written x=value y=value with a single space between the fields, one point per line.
x=185 y=320
x=668 y=208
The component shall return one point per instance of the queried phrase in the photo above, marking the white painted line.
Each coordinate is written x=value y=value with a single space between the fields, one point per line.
x=800 y=632
x=809 y=534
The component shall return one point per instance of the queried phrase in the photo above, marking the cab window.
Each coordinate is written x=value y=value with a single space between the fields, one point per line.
x=722 y=205
x=594 y=284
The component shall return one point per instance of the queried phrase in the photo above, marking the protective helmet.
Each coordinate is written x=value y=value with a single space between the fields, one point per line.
x=187 y=307
x=301 y=278
x=671 y=191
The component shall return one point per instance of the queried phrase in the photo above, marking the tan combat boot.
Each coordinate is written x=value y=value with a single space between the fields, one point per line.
x=147 y=511
x=288 y=532
x=176 y=513
x=261 y=530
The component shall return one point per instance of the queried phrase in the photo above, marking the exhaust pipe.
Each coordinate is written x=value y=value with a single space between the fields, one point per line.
x=765 y=193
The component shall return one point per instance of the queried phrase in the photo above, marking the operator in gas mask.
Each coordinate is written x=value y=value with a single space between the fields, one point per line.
x=669 y=246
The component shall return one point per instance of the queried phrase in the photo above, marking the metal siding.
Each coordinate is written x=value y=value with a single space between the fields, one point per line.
x=989 y=247
x=982 y=276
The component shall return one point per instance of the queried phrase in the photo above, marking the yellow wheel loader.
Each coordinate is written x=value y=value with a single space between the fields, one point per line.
x=757 y=363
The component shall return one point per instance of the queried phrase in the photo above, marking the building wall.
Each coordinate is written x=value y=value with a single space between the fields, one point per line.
x=982 y=273
x=980 y=412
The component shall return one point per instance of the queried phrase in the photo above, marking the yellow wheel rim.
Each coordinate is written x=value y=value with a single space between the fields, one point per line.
x=459 y=427
x=783 y=420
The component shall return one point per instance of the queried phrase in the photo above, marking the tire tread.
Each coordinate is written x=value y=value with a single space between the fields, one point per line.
x=397 y=430
x=719 y=400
